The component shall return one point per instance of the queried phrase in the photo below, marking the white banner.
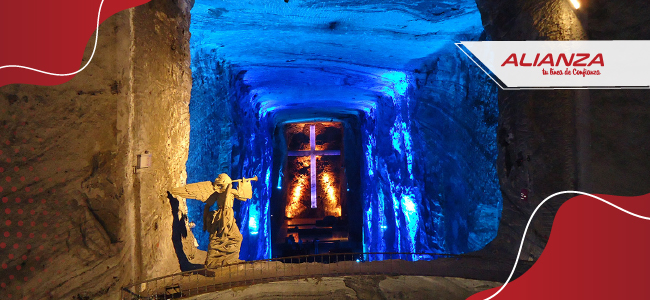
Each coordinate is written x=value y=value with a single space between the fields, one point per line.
x=563 y=64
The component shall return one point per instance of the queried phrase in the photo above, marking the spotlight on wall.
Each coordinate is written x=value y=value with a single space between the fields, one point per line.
x=575 y=3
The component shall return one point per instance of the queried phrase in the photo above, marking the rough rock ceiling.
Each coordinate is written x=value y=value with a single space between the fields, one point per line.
x=298 y=52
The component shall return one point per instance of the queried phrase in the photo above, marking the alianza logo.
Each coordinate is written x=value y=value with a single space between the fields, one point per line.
x=575 y=60
x=561 y=64
x=580 y=60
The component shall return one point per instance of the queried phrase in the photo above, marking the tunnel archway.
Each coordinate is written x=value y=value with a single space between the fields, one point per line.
x=422 y=120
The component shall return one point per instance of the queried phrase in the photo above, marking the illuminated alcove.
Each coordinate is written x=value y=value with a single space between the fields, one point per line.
x=312 y=204
x=418 y=119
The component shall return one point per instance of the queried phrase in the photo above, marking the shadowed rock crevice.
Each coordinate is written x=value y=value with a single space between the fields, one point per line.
x=179 y=234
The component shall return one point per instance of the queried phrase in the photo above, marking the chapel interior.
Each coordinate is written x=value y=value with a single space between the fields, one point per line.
x=369 y=131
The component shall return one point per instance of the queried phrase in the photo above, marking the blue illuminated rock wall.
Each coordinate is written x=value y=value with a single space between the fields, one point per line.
x=455 y=119
x=252 y=156
x=227 y=136
x=211 y=132
x=430 y=154
x=392 y=186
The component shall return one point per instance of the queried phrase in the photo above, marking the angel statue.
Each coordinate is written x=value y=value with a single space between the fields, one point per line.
x=225 y=238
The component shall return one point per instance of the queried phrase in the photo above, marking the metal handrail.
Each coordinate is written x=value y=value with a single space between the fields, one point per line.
x=231 y=279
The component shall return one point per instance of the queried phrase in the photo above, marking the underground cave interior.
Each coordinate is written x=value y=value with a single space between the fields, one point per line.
x=386 y=70
x=417 y=126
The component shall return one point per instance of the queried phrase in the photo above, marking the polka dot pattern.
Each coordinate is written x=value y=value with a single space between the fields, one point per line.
x=33 y=204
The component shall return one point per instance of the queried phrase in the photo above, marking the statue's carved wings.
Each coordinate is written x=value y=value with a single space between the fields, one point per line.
x=199 y=191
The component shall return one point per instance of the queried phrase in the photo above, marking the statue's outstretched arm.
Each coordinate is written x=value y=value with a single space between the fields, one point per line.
x=244 y=190
x=239 y=194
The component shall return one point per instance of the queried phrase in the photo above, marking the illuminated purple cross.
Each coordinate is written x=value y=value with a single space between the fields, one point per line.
x=312 y=153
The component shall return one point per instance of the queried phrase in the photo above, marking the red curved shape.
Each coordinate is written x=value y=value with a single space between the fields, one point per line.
x=595 y=251
x=50 y=36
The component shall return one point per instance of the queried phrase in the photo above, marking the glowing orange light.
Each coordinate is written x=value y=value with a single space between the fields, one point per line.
x=295 y=206
x=332 y=206
x=575 y=3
